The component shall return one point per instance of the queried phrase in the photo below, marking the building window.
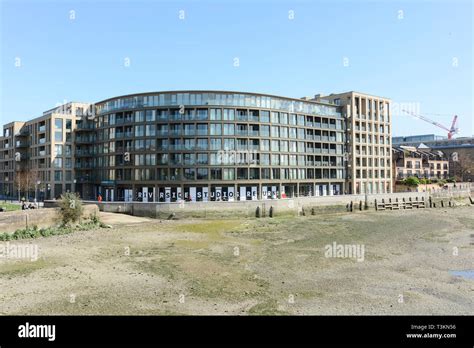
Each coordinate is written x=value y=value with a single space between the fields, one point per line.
x=201 y=114
x=228 y=174
x=274 y=117
x=275 y=160
x=150 y=115
x=202 y=144
x=300 y=120
x=229 y=144
x=189 y=129
x=150 y=130
x=216 y=114
x=58 y=136
x=188 y=159
x=228 y=129
x=229 y=114
x=275 y=146
x=216 y=174
x=58 y=162
x=139 y=116
x=216 y=144
x=139 y=131
x=265 y=159
x=265 y=145
x=202 y=174
x=162 y=174
x=254 y=173
x=264 y=116
x=275 y=133
x=215 y=129
x=202 y=129
x=189 y=173
x=58 y=150
x=242 y=173
x=202 y=158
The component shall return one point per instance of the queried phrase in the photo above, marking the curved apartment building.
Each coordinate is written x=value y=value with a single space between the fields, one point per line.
x=220 y=145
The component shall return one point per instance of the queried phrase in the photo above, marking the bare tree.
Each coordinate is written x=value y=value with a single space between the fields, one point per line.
x=25 y=181
x=463 y=164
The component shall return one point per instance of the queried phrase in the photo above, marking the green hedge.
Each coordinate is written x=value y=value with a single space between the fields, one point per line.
x=35 y=232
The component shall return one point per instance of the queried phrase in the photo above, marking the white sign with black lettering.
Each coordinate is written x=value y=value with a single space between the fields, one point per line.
x=167 y=194
x=243 y=192
x=192 y=194
x=254 y=193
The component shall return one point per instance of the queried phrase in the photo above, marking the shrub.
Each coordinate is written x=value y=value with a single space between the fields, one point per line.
x=412 y=181
x=442 y=182
x=71 y=208
x=94 y=219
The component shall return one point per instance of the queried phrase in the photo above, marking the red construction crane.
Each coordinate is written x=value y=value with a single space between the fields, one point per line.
x=451 y=131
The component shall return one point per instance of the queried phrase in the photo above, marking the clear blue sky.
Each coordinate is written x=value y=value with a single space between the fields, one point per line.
x=408 y=60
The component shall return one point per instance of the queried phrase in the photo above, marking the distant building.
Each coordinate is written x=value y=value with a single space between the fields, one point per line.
x=417 y=139
x=422 y=163
x=459 y=151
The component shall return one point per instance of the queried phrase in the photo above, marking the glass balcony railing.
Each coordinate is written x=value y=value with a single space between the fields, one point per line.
x=177 y=147
x=243 y=132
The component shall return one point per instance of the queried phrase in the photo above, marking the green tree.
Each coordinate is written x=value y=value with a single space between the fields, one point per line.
x=412 y=181
x=70 y=208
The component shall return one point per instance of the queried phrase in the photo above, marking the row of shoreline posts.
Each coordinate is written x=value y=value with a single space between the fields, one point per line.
x=399 y=204
x=262 y=212
x=379 y=205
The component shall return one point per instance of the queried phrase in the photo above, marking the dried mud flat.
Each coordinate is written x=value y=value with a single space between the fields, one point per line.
x=254 y=266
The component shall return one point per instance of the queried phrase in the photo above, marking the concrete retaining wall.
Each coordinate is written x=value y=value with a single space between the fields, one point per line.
x=13 y=220
x=248 y=208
